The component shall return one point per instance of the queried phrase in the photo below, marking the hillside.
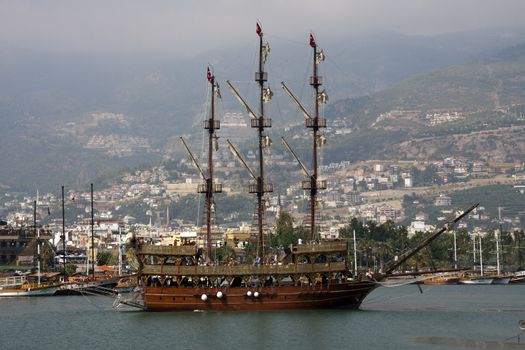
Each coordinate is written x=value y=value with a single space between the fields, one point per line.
x=475 y=109
x=49 y=102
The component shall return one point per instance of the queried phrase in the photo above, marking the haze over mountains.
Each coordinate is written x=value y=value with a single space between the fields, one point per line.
x=53 y=105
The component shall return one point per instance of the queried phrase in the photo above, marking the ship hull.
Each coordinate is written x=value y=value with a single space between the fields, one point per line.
x=501 y=280
x=344 y=295
x=442 y=281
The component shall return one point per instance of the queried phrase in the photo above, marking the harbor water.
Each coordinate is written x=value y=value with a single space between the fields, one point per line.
x=442 y=317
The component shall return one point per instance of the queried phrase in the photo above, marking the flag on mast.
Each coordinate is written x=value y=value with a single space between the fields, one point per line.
x=312 y=40
x=258 y=29
x=210 y=76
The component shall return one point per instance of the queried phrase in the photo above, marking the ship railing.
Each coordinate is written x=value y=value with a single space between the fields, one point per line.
x=243 y=270
x=321 y=247
x=165 y=250
x=12 y=281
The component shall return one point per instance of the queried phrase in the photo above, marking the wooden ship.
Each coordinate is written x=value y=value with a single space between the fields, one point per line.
x=316 y=274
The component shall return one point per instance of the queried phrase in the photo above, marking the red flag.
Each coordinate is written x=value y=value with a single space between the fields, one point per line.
x=258 y=29
x=312 y=40
x=73 y=198
x=210 y=77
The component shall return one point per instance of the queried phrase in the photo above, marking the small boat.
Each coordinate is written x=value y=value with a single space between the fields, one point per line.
x=476 y=280
x=30 y=290
x=519 y=277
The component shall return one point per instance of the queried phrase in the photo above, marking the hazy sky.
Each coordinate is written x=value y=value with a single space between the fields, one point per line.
x=191 y=26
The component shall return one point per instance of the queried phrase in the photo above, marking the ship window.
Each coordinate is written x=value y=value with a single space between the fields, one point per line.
x=3 y=244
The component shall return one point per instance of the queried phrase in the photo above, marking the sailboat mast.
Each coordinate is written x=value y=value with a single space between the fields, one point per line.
x=480 y=256
x=260 y=123
x=92 y=235
x=35 y=231
x=211 y=125
x=63 y=231
x=315 y=123
x=497 y=236
x=260 y=192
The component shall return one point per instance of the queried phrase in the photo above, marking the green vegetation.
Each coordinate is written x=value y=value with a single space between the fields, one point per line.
x=380 y=244
x=491 y=197
x=70 y=269
x=104 y=258
x=362 y=145
x=469 y=86
x=376 y=244
x=286 y=233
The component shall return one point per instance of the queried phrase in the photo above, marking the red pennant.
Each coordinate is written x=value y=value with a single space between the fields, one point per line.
x=209 y=76
x=258 y=29
x=312 y=40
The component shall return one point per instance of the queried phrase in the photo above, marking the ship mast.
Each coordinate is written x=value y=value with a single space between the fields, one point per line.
x=209 y=187
x=315 y=82
x=211 y=125
x=315 y=123
x=260 y=122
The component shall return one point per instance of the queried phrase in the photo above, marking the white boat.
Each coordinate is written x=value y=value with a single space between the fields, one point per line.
x=519 y=277
x=476 y=280
x=28 y=290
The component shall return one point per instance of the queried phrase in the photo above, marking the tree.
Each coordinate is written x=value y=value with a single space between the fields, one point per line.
x=103 y=257
x=70 y=269
x=224 y=253
x=285 y=233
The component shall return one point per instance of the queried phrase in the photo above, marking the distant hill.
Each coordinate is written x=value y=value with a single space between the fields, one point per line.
x=46 y=100
x=487 y=83
x=486 y=94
